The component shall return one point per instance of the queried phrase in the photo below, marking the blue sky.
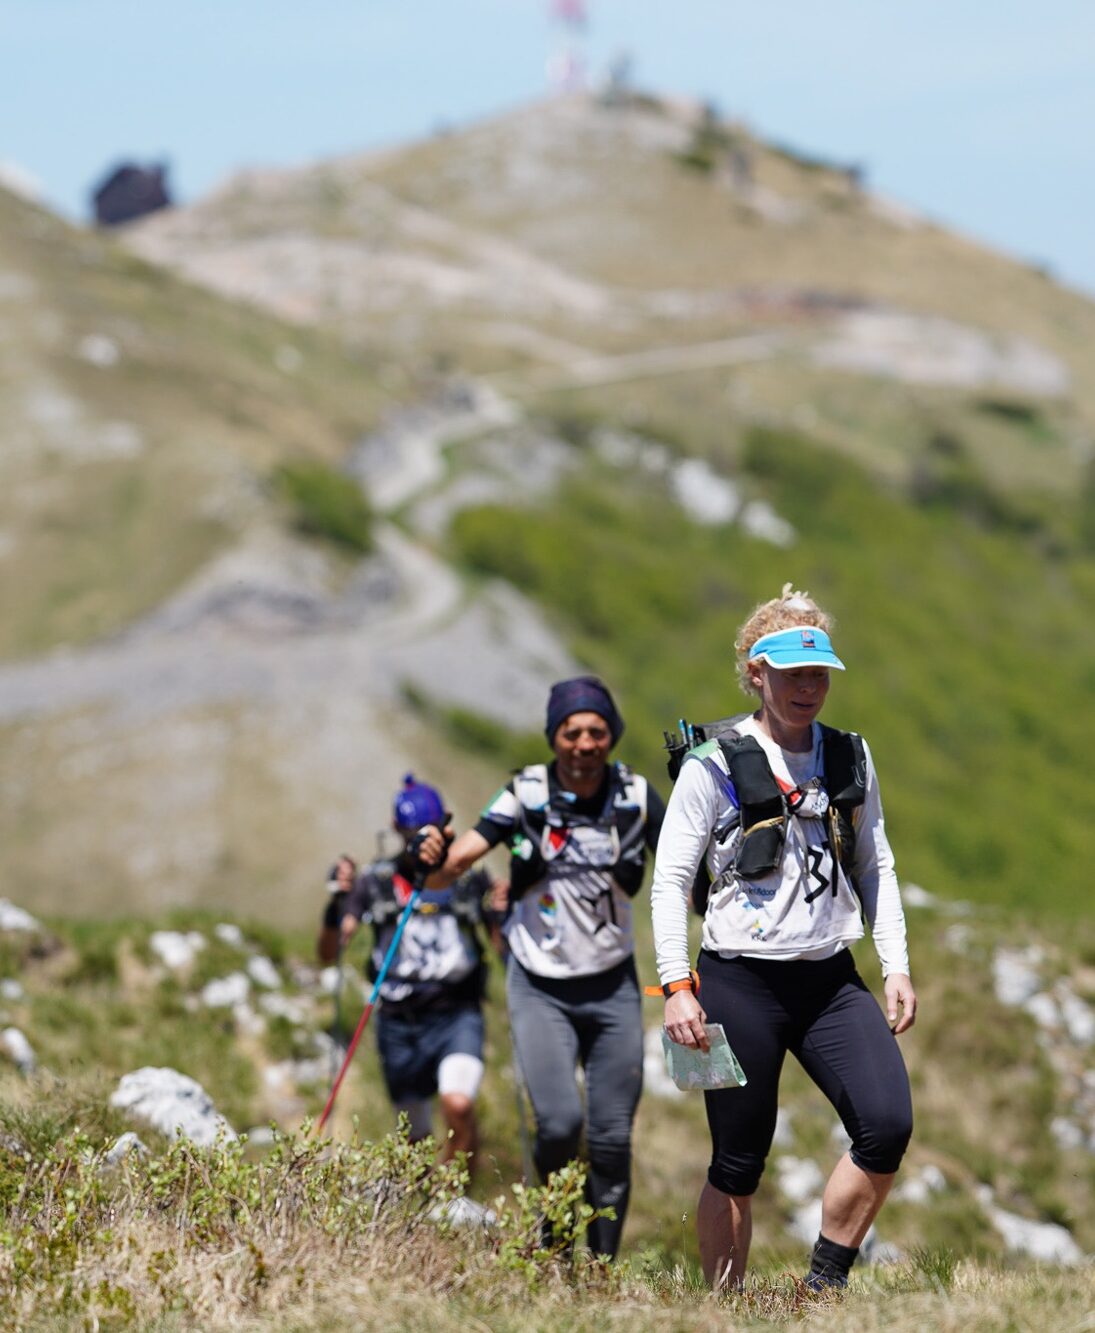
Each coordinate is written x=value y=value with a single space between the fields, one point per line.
x=982 y=116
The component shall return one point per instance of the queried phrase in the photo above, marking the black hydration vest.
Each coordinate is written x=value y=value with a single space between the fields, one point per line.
x=764 y=808
x=543 y=808
x=385 y=908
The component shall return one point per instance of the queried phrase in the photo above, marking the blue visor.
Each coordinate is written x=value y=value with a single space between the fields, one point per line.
x=801 y=646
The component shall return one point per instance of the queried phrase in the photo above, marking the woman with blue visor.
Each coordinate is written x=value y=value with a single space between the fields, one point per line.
x=785 y=815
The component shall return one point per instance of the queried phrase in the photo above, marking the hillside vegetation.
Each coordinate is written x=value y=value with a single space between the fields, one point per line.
x=326 y=479
x=141 y=422
x=919 y=411
x=287 y=1233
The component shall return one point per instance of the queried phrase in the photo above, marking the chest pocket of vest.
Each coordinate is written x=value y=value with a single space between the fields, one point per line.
x=584 y=846
x=762 y=808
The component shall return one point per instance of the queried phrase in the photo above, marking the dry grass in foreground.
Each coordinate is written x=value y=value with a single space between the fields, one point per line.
x=326 y=1236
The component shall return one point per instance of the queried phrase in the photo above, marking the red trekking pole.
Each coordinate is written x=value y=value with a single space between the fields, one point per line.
x=367 y=1012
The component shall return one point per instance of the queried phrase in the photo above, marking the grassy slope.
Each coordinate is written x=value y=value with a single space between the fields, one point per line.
x=600 y=196
x=96 y=1005
x=604 y=202
x=969 y=665
x=103 y=537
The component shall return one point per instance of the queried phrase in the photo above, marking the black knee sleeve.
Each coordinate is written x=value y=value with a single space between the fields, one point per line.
x=736 y=1173
x=879 y=1147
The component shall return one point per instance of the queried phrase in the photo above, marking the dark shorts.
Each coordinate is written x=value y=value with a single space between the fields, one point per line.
x=412 y=1047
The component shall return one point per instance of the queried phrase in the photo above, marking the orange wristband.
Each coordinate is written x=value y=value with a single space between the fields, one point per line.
x=690 y=982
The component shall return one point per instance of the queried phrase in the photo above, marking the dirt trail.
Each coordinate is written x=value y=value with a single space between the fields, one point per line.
x=257 y=624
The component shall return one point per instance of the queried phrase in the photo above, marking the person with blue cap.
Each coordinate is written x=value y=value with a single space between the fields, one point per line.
x=430 y=1021
x=784 y=814
x=578 y=830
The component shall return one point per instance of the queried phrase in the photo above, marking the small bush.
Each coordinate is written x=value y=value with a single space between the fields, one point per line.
x=326 y=504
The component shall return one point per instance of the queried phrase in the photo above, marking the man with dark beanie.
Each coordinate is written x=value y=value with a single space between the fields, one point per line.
x=578 y=830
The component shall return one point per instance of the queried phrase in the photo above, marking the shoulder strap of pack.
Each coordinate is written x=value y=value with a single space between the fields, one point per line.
x=844 y=762
x=629 y=794
x=532 y=790
x=762 y=806
x=383 y=904
x=633 y=785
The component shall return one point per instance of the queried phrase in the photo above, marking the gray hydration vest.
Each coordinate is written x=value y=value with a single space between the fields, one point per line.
x=547 y=815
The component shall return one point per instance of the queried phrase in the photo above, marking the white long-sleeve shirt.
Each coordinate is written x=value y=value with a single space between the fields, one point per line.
x=804 y=909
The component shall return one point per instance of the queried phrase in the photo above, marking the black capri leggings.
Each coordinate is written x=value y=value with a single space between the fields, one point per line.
x=830 y=1022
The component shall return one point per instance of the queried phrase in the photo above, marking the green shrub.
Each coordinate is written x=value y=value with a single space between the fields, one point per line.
x=327 y=504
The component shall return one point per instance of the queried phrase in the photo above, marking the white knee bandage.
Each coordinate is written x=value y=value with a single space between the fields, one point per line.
x=460 y=1073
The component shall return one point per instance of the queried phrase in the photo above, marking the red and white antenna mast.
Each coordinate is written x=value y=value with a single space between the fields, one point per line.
x=567 y=65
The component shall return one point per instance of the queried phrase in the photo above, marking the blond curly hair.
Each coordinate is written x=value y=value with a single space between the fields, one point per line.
x=789 y=609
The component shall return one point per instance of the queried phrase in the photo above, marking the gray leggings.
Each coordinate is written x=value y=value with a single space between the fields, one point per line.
x=596 y=1020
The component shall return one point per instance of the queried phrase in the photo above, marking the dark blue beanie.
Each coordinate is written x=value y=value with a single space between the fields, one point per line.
x=583 y=694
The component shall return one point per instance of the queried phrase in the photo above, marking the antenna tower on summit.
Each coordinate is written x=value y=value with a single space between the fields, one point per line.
x=567 y=65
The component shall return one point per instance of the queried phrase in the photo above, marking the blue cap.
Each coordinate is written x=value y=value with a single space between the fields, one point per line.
x=418 y=804
x=800 y=646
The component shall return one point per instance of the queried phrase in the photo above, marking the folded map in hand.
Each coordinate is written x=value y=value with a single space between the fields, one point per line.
x=692 y=1069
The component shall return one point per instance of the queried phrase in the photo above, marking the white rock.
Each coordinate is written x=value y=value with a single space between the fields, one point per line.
x=229 y=934
x=295 y=1009
x=1066 y=1133
x=840 y=1136
x=783 y=1136
x=1041 y=1240
x=875 y=1251
x=703 y=495
x=463 y=1212
x=99 y=350
x=308 y=1072
x=1015 y=973
x=263 y=973
x=1043 y=1009
x=912 y=895
x=1079 y=1018
x=128 y=1143
x=171 y=1103
x=800 y=1178
x=325 y=1044
x=276 y=1075
x=18 y=1050
x=261 y=1136
x=957 y=938
x=15 y=918
x=174 y=949
x=247 y=1021
x=760 y=520
x=11 y=989
x=805 y=1222
x=656 y=1080
x=330 y=980
x=226 y=992
x=919 y=1187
